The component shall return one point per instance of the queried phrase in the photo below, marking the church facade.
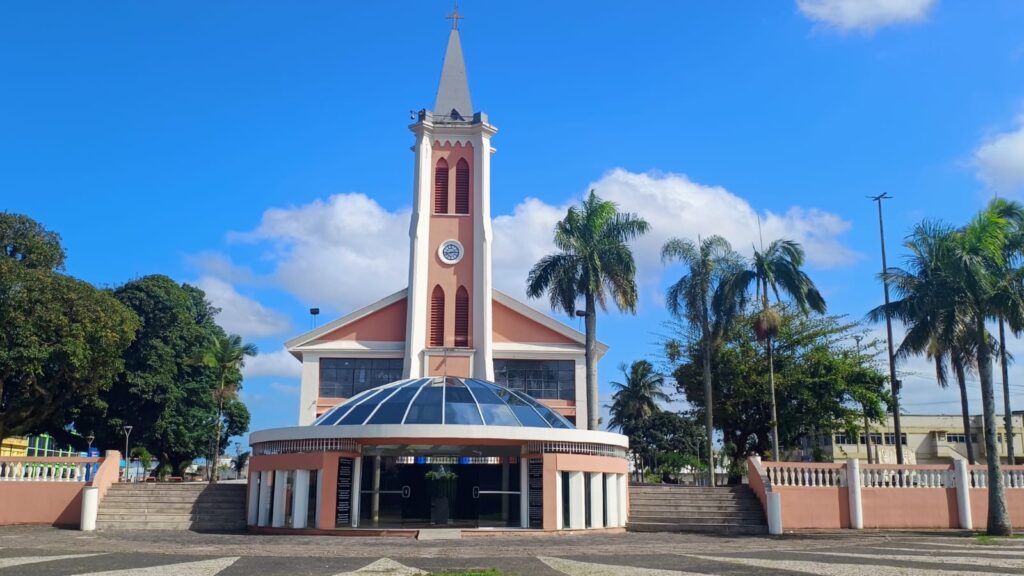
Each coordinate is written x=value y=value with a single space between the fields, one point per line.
x=447 y=403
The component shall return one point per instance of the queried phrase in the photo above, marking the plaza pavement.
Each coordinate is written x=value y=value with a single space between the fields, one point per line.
x=53 y=552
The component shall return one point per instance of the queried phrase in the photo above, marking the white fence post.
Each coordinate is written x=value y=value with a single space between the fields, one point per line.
x=853 y=483
x=774 y=513
x=963 y=494
x=90 y=508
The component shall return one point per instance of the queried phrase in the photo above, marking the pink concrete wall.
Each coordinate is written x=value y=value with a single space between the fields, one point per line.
x=979 y=507
x=384 y=325
x=511 y=326
x=108 y=473
x=910 y=508
x=53 y=502
x=326 y=463
x=814 y=507
x=757 y=483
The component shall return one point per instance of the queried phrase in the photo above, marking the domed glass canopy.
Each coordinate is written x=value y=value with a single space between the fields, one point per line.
x=443 y=401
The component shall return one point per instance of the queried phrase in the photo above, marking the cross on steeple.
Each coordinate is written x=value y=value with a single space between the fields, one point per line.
x=455 y=16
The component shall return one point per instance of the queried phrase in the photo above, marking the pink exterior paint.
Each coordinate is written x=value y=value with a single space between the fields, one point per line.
x=451 y=226
x=910 y=508
x=384 y=325
x=54 y=503
x=439 y=365
x=822 y=508
x=555 y=463
x=326 y=465
x=108 y=473
x=511 y=326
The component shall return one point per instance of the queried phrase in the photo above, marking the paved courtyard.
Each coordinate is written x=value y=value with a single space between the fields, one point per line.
x=48 y=551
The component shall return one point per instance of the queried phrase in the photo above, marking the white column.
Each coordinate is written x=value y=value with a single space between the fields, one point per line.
x=853 y=485
x=357 y=487
x=774 y=513
x=963 y=494
x=596 y=500
x=524 y=493
x=611 y=488
x=277 y=515
x=300 y=499
x=623 y=483
x=253 y=501
x=419 y=252
x=319 y=493
x=581 y=393
x=559 y=521
x=309 y=389
x=263 y=518
x=577 y=501
x=90 y=508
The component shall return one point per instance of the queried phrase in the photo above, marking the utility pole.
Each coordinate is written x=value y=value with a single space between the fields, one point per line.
x=867 y=424
x=894 y=383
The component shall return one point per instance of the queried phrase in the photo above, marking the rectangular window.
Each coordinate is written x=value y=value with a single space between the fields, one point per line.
x=960 y=438
x=541 y=379
x=840 y=439
x=346 y=377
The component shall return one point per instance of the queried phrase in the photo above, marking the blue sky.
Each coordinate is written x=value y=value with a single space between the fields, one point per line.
x=261 y=150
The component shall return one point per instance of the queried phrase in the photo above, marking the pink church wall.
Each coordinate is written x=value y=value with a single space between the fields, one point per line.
x=447 y=227
x=384 y=325
x=452 y=366
x=511 y=326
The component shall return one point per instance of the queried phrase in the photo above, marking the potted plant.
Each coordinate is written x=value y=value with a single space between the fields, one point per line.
x=442 y=493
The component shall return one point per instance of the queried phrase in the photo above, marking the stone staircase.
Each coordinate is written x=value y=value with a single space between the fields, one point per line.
x=158 y=506
x=672 y=508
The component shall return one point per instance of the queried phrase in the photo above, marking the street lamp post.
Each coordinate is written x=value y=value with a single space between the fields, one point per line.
x=893 y=381
x=127 y=434
x=89 y=439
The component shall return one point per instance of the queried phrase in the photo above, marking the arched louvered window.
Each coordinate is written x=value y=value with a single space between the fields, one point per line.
x=441 y=187
x=437 y=317
x=462 y=318
x=462 y=187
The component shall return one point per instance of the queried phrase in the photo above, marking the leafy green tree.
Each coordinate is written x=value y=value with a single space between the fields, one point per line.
x=593 y=262
x=778 y=269
x=823 y=385
x=708 y=263
x=164 y=391
x=61 y=339
x=226 y=356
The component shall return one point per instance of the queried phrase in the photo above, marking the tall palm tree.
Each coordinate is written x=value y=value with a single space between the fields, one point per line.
x=776 y=270
x=226 y=355
x=636 y=399
x=956 y=353
x=708 y=262
x=593 y=262
x=1011 y=283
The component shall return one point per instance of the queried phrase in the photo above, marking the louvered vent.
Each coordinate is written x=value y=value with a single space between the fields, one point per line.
x=462 y=187
x=462 y=318
x=437 y=317
x=441 y=187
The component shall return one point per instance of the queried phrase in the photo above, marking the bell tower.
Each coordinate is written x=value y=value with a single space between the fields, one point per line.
x=449 y=323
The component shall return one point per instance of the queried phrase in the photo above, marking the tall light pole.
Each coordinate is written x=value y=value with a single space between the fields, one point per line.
x=867 y=424
x=894 y=383
x=127 y=434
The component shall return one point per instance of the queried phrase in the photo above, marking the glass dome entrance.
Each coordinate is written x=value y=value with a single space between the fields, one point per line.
x=443 y=400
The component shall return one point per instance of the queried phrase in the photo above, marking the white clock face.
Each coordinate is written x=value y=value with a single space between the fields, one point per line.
x=450 y=251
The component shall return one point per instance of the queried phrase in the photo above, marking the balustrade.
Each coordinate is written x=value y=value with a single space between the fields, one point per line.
x=805 y=475
x=1013 y=476
x=22 y=469
x=886 y=476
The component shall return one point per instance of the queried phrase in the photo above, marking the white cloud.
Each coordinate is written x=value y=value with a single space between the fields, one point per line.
x=1000 y=160
x=279 y=363
x=221 y=266
x=346 y=252
x=240 y=314
x=285 y=389
x=865 y=15
x=349 y=251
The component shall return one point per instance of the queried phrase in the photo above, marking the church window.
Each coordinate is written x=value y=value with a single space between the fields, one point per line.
x=462 y=187
x=346 y=377
x=541 y=379
x=462 y=318
x=437 y=317
x=441 y=187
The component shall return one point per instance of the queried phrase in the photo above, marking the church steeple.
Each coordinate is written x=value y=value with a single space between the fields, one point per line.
x=453 y=91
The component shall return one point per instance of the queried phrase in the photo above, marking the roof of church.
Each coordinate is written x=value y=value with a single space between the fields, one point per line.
x=453 y=91
x=443 y=400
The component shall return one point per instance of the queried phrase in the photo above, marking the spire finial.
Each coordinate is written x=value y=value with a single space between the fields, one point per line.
x=455 y=16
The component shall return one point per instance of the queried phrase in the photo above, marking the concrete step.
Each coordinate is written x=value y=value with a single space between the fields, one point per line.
x=218 y=507
x=744 y=507
x=705 y=527
x=171 y=525
x=172 y=499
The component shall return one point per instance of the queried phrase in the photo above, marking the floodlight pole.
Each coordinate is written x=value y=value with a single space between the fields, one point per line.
x=894 y=383
x=127 y=434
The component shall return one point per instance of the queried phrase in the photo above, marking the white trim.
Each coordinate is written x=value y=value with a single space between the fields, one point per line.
x=466 y=432
x=376 y=348
x=296 y=344
x=545 y=320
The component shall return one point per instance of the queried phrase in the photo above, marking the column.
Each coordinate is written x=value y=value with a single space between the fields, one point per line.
x=963 y=494
x=300 y=499
x=576 y=501
x=596 y=500
x=853 y=486
x=375 y=497
x=357 y=487
x=623 y=483
x=253 y=502
x=524 y=493
x=611 y=488
x=263 y=517
x=277 y=515
x=319 y=494
x=559 y=521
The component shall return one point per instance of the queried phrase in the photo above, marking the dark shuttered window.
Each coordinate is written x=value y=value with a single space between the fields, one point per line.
x=462 y=318
x=437 y=317
x=441 y=187
x=462 y=187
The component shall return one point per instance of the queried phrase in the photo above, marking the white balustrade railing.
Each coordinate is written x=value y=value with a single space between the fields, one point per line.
x=1013 y=476
x=44 y=469
x=805 y=475
x=874 y=476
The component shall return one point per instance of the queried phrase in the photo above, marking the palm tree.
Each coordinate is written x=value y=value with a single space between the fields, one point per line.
x=1011 y=280
x=636 y=399
x=593 y=263
x=708 y=263
x=227 y=356
x=772 y=271
x=957 y=354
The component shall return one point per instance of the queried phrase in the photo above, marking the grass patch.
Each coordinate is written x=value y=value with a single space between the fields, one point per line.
x=986 y=540
x=471 y=572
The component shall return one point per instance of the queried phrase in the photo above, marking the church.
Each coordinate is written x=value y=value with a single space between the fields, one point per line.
x=448 y=403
